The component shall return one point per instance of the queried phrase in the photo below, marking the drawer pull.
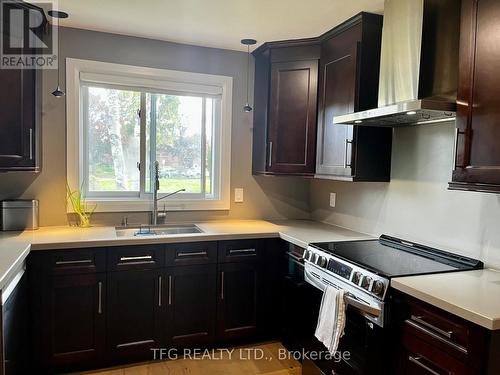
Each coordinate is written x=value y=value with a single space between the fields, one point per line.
x=436 y=336
x=416 y=360
x=73 y=262
x=196 y=254
x=128 y=259
x=420 y=320
x=241 y=251
x=99 y=307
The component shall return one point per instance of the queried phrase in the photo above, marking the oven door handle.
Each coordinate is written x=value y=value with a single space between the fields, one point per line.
x=314 y=279
x=364 y=307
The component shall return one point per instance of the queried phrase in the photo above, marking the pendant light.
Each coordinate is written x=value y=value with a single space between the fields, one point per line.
x=248 y=43
x=58 y=93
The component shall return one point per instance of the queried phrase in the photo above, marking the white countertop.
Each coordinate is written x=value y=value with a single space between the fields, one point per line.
x=472 y=295
x=15 y=246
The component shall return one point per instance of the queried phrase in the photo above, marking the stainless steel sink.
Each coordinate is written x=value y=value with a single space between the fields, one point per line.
x=157 y=230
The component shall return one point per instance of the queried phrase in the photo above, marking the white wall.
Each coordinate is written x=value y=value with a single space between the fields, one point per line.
x=416 y=204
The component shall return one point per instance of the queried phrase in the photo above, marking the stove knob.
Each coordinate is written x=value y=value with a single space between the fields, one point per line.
x=313 y=257
x=356 y=277
x=306 y=254
x=378 y=288
x=366 y=282
x=321 y=261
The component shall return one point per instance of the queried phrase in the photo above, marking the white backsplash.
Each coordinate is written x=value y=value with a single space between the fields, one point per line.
x=416 y=204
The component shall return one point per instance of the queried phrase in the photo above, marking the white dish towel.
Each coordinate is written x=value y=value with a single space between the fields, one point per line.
x=331 y=320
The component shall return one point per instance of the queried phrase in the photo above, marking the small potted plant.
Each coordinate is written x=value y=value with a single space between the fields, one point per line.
x=80 y=206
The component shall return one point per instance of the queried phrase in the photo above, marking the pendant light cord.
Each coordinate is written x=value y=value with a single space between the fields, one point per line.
x=248 y=68
x=58 y=55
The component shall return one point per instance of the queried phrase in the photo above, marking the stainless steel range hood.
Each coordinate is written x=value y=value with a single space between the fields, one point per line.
x=418 y=66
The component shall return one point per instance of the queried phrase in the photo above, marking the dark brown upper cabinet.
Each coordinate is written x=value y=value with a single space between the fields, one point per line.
x=348 y=82
x=20 y=110
x=301 y=85
x=477 y=159
x=285 y=108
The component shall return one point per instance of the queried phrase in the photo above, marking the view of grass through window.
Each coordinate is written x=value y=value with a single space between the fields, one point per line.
x=178 y=132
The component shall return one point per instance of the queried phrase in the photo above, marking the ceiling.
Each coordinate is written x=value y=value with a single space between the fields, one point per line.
x=214 y=23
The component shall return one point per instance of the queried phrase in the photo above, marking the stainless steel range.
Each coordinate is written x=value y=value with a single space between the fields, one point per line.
x=363 y=269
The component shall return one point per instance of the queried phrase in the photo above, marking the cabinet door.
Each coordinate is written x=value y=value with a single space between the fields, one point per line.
x=477 y=162
x=17 y=119
x=73 y=321
x=136 y=306
x=20 y=110
x=338 y=82
x=191 y=305
x=238 y=294
x=292 y=122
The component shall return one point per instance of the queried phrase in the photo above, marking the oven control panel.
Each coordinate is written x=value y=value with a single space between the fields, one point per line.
x=339 y=269
x=361 y=278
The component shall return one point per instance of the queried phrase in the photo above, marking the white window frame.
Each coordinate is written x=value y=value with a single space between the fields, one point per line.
x=159 y=80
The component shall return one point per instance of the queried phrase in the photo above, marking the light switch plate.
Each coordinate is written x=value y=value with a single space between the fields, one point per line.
x=238 y=195
x=333 y=199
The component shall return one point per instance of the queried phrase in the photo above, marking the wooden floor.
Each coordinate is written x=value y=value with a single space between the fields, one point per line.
x=240 y=362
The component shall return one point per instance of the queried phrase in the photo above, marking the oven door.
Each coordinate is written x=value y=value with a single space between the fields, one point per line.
x=365 y=345
x=299 y=303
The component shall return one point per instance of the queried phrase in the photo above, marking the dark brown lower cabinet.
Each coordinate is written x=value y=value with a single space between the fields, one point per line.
x=87 y=317
x=135 y=315
x=191 y=305
x=237 y=300
x=433 y=341
x=73 y=327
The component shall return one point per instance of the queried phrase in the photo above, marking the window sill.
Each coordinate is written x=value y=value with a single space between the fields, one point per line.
x=121 y=205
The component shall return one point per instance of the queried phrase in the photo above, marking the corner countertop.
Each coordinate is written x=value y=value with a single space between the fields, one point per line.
x=15 y=246
x=472 y=295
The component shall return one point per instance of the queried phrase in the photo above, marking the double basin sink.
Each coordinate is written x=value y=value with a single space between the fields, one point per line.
x=156 y=230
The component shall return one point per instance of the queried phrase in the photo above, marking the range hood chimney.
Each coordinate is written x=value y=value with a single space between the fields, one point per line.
x=418 y=66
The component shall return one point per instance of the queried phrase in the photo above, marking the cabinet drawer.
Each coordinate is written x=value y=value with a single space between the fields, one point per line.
x=78 y=261
x=191 y=253
x=136 y=257
x=445 y=331
x=418 y=357
x=240 y=251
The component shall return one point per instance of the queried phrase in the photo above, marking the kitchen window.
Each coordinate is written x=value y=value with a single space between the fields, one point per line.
x=121 y=119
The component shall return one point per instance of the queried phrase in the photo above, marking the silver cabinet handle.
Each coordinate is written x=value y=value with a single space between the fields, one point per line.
x=159 y=291
x=420 y=320
x=416 y=360
x=31 y=144
x=128 y=259
x=242 y=251
x=222 y=286
x=73 y=262
x=437 y=336
x=169 y=290
x=199 y=253
x=99 y=307
x=347 y=143
x=270 y=159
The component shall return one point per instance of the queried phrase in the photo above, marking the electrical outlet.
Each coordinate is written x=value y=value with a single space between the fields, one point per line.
x=238 y=195
x=333 y=199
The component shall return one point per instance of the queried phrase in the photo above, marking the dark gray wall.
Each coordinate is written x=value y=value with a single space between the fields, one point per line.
x=264 y=197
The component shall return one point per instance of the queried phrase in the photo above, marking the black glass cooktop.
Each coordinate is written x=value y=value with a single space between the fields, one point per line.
x=392 y=257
